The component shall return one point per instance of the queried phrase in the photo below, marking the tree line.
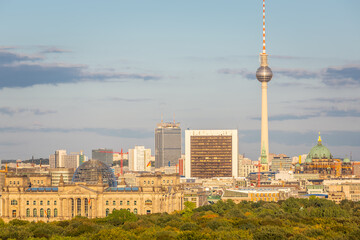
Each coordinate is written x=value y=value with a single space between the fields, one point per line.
x=312 y=218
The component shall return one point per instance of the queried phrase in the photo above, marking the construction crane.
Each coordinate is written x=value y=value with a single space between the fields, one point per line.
x=121 y=159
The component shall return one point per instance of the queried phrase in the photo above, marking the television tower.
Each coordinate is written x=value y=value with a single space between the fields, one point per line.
x=264 y=75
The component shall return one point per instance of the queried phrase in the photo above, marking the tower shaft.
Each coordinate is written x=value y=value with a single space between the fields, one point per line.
x=264 y=120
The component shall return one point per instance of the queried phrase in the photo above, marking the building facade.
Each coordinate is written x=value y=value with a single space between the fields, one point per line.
x=140 y=159
x=211 y=153
x=167 y=144
x=104 y=155
x=62 y=160
x=155 y=194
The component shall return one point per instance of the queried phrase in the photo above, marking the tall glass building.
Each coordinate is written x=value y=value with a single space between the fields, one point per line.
x=167 y=144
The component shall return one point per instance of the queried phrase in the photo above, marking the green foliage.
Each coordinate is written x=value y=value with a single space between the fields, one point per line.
x=312 y=218
x=119 y=217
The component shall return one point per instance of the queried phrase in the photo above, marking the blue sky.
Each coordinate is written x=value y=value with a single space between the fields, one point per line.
x=80 y=75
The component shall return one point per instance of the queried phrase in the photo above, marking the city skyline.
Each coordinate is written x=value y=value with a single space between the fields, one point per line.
x=89 y=75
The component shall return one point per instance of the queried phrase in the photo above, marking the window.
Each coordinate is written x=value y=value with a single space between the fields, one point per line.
x=107 y=212
x=38 y=182
x=152 y=182
x=28 y=212
x=41 y=212
x=13 y=213
x=18 y=183
x=148 y=202
x=107 y=202
x=34 y=212
x=167 y=181
x=113 y=209
x=48 y=202
x=148 y=182
x=114 y=202
x=10 y=182
x=135 y=210
x=55 y=212
x=148 y=211
x=144 y=182
x=134 y=202
x=127 y=202
x=42 y=182
x=27 y=202
x=163 y=181
x=121 y=202
x=14 y=202
x=78 y=206
x=128 y=209
x=41 y=202
x=48 y=212
x=55 y=202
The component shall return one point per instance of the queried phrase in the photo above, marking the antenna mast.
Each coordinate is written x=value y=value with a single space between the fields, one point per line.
x=264 y=47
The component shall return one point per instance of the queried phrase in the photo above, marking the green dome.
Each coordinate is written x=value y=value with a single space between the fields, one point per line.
x=297 y=165
x=346 y=160
x=319 y=151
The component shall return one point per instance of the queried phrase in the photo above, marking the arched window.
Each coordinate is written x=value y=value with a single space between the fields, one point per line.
x=28 y=212
x=148 y=202
x=135 y=210
x=48 y=212
x=128 y=209
x=41 y=212
x=114 y=209
x=34 y=212
x=55 y=212
x=107 y=212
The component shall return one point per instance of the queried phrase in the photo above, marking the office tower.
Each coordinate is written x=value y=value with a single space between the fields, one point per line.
x=211 y=153
x=62 y=160
x=104 y=155
x=280 y=163
x=264 y=75
x=167 y=144
x=140 y=159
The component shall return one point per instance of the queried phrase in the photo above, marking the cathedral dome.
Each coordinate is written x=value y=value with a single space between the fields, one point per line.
x=319 y=151
x=93 y=171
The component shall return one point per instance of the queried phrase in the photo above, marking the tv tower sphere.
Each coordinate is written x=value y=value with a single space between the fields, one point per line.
x=264 y=74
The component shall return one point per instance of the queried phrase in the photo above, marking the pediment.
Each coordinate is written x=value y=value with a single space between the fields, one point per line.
x=78 y=190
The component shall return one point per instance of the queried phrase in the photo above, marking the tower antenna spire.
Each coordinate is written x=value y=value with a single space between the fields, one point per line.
x=264 y=46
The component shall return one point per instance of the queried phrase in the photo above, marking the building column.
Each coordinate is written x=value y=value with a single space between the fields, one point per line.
x=83 y=207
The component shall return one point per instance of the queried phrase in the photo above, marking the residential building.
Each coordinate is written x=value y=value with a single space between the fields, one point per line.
x=140 y=159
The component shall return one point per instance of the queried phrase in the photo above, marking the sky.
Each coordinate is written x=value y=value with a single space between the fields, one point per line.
x=82 y=75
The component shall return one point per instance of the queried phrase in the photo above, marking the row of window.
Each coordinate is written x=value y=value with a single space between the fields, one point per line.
x=41 y=202
x=43 y=213
x=18 y=183
x=121 y=202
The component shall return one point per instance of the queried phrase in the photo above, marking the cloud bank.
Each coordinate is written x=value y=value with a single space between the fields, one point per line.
x=21 y=71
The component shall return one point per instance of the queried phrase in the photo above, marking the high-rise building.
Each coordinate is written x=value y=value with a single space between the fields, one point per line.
x=167 y=144
x=104 y=155
x=264 y=75
x=140 y=159
x=211 y=153
x=62 y=160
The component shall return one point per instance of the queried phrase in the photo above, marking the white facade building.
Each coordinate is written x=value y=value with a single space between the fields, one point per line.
x=139 y=159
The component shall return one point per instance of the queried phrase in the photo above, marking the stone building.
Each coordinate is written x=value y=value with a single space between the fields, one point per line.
x=155 y=193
